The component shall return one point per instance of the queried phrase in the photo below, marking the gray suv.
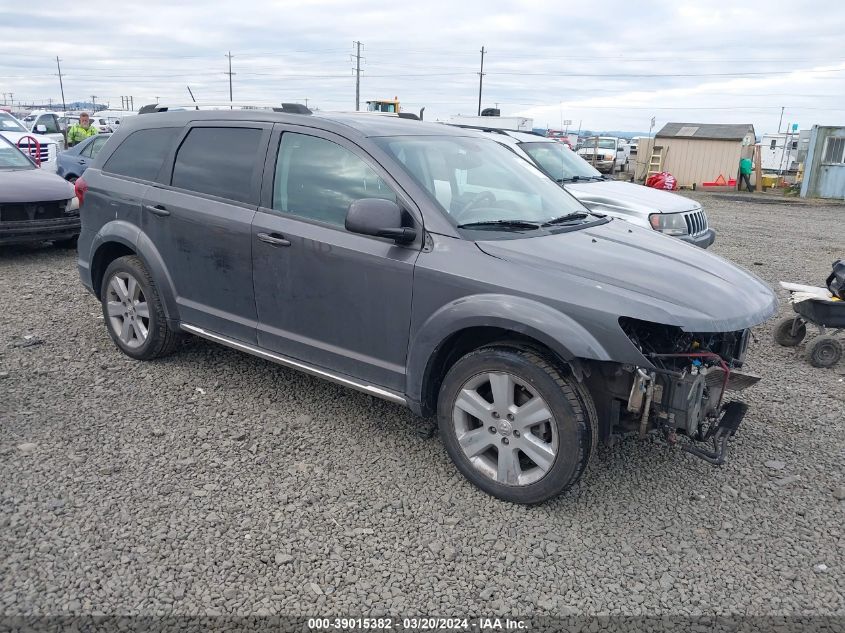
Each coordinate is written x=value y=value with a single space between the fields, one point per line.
x=425 y=265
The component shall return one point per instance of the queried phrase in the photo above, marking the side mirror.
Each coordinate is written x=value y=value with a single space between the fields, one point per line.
x=379 y=218
x=41 y=128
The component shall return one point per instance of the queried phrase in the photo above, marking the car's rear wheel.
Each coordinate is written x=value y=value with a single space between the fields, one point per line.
x=133 y=310
x=514 y=425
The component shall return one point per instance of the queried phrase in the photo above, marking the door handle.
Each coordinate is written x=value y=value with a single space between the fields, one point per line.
x=157 y=210
x=273 y=239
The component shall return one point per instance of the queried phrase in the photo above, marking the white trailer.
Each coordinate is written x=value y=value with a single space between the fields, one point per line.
x=516 y=123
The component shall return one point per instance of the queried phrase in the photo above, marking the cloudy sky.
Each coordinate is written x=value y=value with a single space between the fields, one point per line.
x=605 y=65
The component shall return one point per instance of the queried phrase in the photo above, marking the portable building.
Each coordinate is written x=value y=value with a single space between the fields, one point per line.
x=824 y=170
x=697 y=153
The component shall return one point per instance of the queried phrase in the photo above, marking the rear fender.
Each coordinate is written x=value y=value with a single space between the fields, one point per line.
x=131 y=236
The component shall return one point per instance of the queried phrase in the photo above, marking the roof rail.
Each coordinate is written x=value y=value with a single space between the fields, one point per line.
x=290 y=108
x=483 y=128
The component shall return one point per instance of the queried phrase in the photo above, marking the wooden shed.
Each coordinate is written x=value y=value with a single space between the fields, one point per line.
x=697 y=153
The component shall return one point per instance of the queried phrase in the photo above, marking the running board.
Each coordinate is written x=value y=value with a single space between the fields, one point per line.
x=378 y=392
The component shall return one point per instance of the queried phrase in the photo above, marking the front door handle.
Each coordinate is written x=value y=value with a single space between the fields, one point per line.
x=157 y=210
x=273 y=239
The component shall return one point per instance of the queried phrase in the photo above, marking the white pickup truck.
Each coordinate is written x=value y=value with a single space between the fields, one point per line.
x=44 y=151
x=605 y=153
x=46 y=124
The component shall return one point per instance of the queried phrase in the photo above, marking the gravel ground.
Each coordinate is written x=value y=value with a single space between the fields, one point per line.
x=212 y=482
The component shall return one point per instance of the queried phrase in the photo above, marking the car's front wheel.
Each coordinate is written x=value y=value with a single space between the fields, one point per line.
x=514 y=425
x=133 y=310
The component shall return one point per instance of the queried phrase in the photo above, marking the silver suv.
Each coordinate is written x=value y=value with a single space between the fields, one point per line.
x=650 y=208
x=423 y=264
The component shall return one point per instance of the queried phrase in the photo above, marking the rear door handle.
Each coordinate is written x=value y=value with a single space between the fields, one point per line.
x=157 y=210
x=273 y=239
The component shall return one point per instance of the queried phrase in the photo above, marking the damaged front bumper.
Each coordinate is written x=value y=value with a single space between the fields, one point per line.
x=682 y=390
x=691 y=403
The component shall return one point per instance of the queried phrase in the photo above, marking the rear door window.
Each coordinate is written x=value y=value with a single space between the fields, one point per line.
x=142 y=153
x=219 y=161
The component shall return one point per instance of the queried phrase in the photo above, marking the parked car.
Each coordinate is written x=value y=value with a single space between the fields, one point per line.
x=423 y=264
x=36 y=145
x=73 y=162
x=47 y=124
x=649 y=208
x=606 y=153
x=35 y=204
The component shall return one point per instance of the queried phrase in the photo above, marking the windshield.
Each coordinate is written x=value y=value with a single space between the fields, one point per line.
x=12 y=158
x=8 y=123
x=478 y=182
x=559 y=162
x=603 y=143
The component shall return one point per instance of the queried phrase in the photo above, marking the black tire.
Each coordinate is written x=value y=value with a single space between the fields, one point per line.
x=824 y=351
x=783 y=331
x=160 y=340
x=570 y=404
x=69 y=242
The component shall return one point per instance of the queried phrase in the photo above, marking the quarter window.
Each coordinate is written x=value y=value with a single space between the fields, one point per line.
x=141 y=154
x=219 y=161
x=319 y=179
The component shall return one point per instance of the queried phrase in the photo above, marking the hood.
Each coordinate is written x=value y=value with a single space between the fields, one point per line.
x=630 y=197
x=33 y=185
x=14 y=137
x=646 y=275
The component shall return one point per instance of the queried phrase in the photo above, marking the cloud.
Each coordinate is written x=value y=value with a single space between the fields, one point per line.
x=610 y=65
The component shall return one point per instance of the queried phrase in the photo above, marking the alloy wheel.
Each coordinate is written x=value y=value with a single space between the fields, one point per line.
x=505 y=428
x=128 y=311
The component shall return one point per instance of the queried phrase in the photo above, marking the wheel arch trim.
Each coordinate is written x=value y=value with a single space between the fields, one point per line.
x=526 y=317
x=131 y=236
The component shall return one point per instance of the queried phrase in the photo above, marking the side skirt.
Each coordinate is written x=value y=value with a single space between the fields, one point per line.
x=340 y=379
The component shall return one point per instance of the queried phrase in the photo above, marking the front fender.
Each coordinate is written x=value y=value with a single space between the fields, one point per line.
x=553 y=329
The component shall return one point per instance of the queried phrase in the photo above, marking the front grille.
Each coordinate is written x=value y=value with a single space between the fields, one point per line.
x=30 y=148
x=696 y=222
x=27 y=212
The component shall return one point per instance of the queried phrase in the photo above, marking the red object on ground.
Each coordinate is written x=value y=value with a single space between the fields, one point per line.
x=663 y=180
x=720 y=182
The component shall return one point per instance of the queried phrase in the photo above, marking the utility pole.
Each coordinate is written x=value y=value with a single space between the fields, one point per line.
x=781 y=119
x=94 y=103
x=480 y=80
x=357 y=76
x=61 y=85
x=230 y=73
x=156 y=99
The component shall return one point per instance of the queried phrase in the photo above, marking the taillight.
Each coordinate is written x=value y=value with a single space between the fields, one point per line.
x=79 y=188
